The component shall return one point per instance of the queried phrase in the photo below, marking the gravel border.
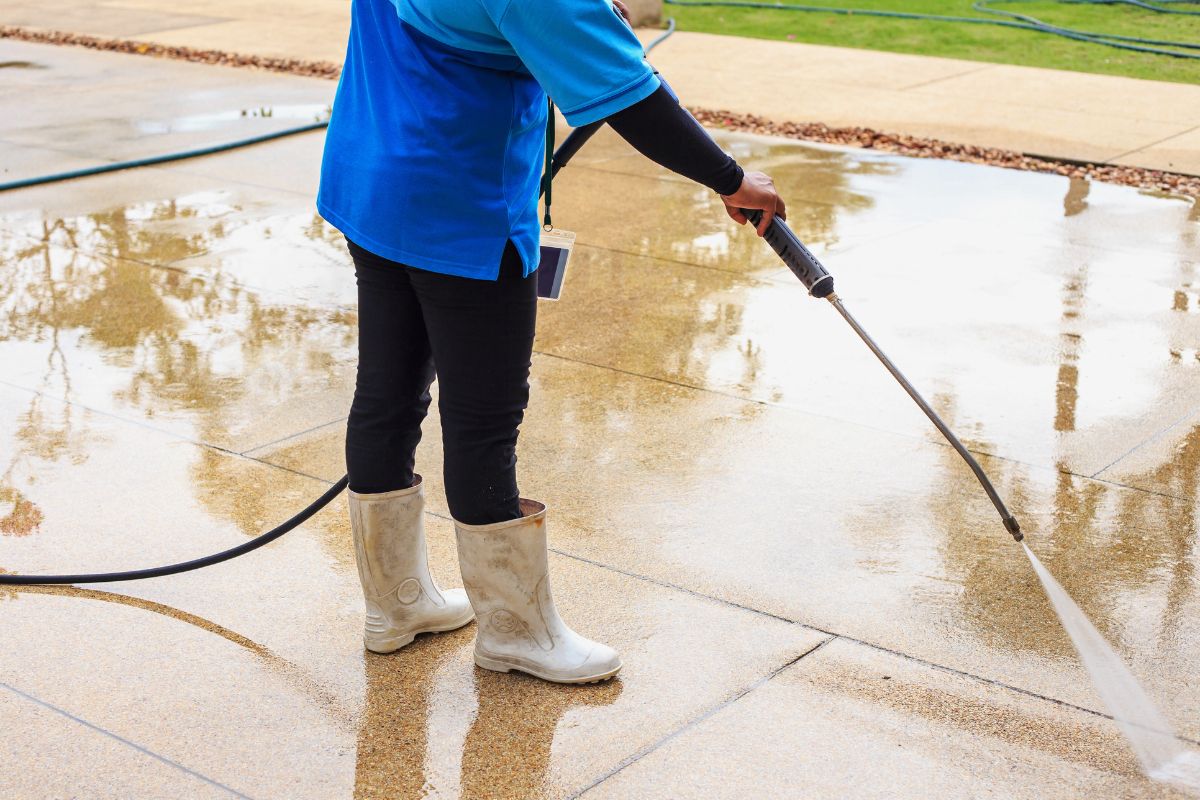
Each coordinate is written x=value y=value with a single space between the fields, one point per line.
x=290 y=66
x=920 y=147
x=913 y=146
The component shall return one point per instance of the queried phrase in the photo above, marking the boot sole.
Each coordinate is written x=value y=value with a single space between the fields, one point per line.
x=496 y=665
x=391 y=645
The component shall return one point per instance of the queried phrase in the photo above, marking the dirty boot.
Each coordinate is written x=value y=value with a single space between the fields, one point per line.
x=402 y=598
x=505 y=571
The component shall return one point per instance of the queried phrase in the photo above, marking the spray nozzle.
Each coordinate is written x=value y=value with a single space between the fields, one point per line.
x=1012 y=526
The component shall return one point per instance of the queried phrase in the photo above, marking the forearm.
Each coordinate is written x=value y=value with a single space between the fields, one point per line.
x=664 y=132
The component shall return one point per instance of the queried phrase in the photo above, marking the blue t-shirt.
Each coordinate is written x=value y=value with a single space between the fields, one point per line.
x=435 y=149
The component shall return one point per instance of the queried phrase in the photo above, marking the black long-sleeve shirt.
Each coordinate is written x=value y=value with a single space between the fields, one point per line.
x=663 y=131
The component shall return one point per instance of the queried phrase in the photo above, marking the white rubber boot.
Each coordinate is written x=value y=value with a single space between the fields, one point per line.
x=506 y=573
x=402 y=598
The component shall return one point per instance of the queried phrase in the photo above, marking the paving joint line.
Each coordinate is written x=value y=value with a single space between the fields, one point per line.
x=923 y=438
x=290 y=670
x=114 y=416
x=845 y=637
x=1152 y=438
x=932 y=81
x=748 y=277
x=127 y=742
x=266 y=463
x=754 y=401
x=165 y=432
x=701 y=718
x=178 y=436
x=1192 y=129
x=283 y=439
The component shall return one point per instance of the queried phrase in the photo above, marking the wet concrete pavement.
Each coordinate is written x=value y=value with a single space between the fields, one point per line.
x=810 y=592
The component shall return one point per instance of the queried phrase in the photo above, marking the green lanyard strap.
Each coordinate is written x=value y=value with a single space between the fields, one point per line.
x=548 y=174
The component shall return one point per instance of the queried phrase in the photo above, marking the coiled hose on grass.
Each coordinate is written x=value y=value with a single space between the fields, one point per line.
x=1011 y=19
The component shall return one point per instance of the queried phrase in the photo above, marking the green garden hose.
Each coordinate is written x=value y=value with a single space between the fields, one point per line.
x=100 y=169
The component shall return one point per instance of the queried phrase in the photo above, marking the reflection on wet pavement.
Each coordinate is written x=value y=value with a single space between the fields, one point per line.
x=733 y=482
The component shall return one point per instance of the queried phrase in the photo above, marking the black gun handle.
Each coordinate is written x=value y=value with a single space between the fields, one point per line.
x=791 y=250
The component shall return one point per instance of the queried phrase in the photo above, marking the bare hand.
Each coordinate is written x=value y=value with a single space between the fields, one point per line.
x=623 y=10
x=757 y=192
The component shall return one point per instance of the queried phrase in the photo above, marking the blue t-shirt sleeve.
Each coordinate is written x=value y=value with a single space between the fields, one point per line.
x=583 y=54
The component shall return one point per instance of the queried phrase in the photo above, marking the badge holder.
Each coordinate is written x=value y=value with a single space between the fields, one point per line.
x=556 y=251
x=556 y=244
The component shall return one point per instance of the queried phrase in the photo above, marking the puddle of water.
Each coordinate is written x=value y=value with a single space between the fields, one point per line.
x=1161 y=754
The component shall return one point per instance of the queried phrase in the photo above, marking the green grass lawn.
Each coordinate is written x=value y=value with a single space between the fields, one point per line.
x=975 y=42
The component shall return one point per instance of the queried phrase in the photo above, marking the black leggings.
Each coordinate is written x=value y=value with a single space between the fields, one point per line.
x=476 y=336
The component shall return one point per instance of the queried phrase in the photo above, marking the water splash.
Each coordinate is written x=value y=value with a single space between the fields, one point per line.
x=1162 y=755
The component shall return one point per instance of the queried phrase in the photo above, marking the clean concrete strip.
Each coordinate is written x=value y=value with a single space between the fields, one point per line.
x=104 y=731
x=650 y=748
x=835 y=635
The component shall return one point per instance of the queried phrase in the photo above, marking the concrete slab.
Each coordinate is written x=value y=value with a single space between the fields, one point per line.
x=101 y=18
x=57 y=756
x=1055 y=90
x=313 y=30
x=1176 y=153
x=319 y=38
x=182 y=710
x=849 y=721
x=918 y=248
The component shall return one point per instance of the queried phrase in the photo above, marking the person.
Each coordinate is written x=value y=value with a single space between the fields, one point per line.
x=431 y=169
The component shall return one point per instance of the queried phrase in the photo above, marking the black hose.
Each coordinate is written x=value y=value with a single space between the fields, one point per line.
x=562 y=155
x=186 y=566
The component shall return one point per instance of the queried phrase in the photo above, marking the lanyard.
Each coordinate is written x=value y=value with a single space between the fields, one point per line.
x=548 y=174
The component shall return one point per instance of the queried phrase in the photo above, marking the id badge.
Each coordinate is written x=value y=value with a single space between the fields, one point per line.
x=556 y=250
